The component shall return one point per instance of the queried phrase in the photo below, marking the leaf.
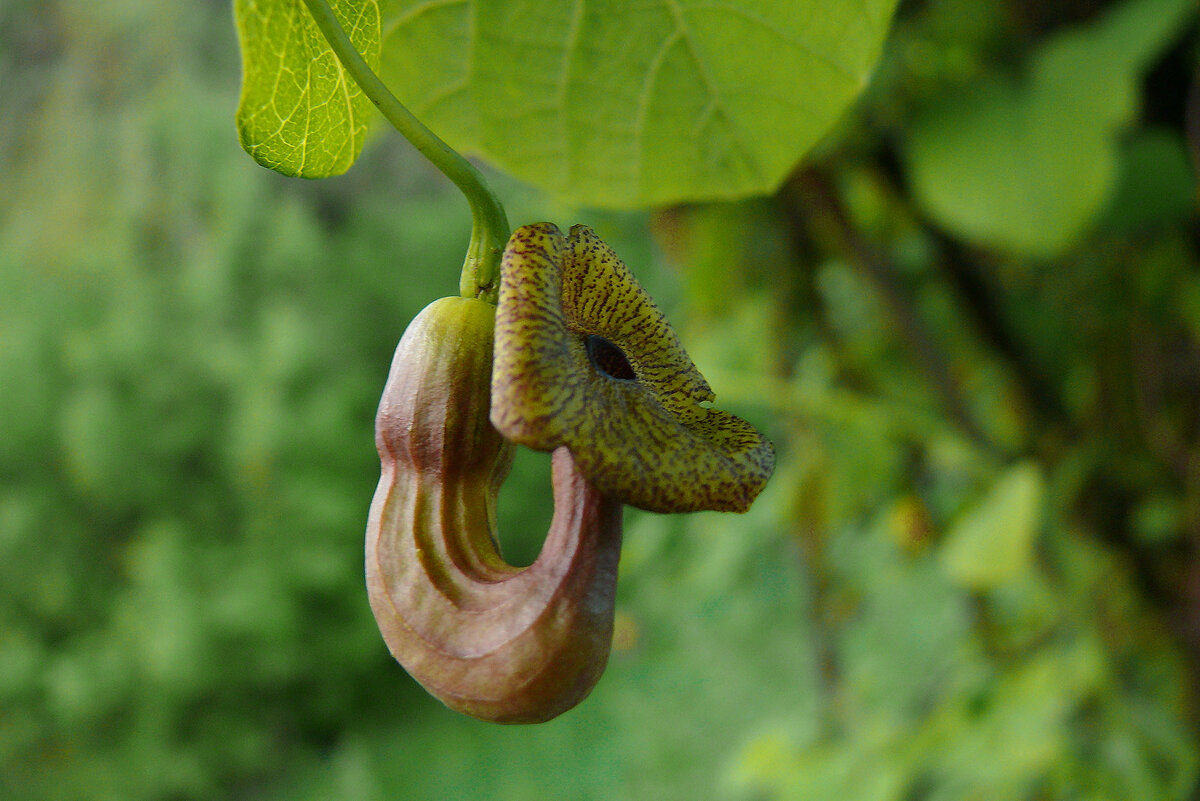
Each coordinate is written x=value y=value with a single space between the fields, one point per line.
x=300 y=113
x=993 y=541
x=1027 y=165
x=1156 y=185
x=618 y=105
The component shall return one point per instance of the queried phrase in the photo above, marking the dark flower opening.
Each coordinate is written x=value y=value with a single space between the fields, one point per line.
x=609 y=359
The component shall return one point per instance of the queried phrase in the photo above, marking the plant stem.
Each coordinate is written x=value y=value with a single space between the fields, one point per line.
x=810 y=189
x=489 y=229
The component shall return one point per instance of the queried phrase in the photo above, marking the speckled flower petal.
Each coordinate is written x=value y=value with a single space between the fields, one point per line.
x=584 y=358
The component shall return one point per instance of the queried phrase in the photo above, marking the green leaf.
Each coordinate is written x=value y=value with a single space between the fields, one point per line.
x=1027 y=165
x=300 y=113
x=620 y=105
x=993 y=541
x=1156 y=186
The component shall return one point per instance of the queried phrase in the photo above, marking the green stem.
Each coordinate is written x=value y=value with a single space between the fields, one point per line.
x=489 y=229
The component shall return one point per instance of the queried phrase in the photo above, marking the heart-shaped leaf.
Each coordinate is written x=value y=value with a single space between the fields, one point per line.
x=616 y=104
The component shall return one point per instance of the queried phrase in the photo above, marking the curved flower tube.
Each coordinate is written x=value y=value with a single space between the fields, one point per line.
x=585 y=360
x=487 y=639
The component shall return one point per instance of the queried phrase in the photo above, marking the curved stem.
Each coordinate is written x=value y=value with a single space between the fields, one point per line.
x=489 y=229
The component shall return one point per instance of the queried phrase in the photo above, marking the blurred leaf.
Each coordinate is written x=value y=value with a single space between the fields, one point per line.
x=1158 y=520
x=300 y=113
x=616 y=105
x=993 y=541
x=1027 y=165
x=1156 y=185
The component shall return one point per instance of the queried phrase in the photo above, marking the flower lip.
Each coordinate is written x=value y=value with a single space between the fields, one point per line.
x=609 y=359
x=583 y=358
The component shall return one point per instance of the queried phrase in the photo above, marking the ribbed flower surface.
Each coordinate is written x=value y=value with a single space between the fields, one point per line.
x=583 y=358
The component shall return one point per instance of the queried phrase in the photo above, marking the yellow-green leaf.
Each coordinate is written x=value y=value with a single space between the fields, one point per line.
x=993 y=541
x=300 y=113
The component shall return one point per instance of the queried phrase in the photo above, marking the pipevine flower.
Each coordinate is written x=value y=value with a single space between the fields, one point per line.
x=585 y=365
x=584 y=359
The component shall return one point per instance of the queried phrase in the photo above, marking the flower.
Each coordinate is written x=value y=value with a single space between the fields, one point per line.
x=583 y=358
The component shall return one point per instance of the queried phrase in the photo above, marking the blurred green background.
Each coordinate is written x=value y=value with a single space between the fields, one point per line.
x=974 y=576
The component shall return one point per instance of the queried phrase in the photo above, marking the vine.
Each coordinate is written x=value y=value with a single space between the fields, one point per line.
x=489 y=224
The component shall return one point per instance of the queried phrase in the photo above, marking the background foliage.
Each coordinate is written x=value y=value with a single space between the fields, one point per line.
x=972 y=577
